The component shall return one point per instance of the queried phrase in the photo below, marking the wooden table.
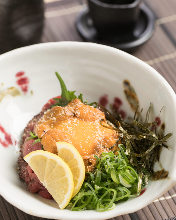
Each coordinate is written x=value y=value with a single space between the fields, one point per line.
x=159 y=52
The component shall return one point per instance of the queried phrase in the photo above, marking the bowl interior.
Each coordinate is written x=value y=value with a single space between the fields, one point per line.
x=90 y=69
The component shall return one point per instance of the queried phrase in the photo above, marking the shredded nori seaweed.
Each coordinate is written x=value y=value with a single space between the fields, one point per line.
x=142 y=139
x=143 y=144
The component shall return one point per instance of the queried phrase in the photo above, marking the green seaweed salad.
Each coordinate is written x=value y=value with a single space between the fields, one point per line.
x=123 y=174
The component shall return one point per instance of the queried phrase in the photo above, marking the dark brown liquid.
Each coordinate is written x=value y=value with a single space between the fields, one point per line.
x=120 y=2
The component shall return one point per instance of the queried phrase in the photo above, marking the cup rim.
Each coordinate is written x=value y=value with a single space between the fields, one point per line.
x=116 y=6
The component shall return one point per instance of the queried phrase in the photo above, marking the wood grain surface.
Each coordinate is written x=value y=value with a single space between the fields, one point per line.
x=159 y=52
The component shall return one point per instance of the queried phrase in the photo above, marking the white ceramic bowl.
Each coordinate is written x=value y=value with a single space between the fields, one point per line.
x=93 y=70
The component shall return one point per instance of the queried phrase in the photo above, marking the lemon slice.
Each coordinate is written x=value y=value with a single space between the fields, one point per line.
x=54 y=174
x=74 y=160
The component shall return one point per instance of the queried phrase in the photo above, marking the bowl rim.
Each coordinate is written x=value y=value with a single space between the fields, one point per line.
x=90 y=46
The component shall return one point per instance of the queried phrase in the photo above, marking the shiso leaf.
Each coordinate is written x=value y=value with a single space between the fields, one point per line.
x=66 y=95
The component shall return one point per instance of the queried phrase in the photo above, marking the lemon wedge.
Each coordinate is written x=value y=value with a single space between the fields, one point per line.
x=54 y=174
x=74 y=160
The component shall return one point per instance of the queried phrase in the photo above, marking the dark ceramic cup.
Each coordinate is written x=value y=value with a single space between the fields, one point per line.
x=114 y=15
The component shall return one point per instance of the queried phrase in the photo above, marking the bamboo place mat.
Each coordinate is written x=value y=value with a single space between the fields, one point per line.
x=159 y=52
